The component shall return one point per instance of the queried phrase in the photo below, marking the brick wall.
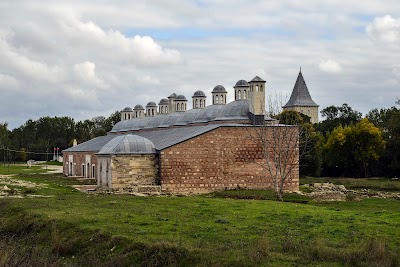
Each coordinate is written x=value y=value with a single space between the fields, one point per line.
x=80 y=158
x=226 y=157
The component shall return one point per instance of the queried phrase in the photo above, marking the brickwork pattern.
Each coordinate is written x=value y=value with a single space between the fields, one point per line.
x=224 y=158
x=79 y=158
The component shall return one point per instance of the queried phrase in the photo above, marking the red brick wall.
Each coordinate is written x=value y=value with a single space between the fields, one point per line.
x=79 y=158
x=226 y=157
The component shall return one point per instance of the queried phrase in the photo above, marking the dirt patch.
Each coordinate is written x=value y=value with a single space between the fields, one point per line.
x=10 y=187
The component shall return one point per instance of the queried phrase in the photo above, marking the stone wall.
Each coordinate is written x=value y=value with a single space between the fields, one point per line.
x=224 y=158
x=130 y=173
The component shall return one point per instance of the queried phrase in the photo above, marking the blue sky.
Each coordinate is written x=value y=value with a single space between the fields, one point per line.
x=89 y=58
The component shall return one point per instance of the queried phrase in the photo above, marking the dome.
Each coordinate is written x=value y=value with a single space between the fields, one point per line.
x=219 y=89
x=172 y=95
x=236 y=110
x=180 y=97
x=199 y=93
x=128 y=144
x=138 y=107
x=241 y=83
x=151 y=104
x=127 y=109
x=163 y=101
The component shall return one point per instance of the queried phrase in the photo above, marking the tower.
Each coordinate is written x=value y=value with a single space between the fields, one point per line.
x=257 y=96
x=163 y=106
x=219 y=95
x=241 y=90
x=180 y=103
x=138 y=111
x=199 y=99
x=151 y=109
x=126 y=114
x=301 y=101
x=171 y=103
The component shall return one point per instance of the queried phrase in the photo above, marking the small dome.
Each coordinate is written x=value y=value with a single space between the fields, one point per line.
x=138 y=107
x=151 y=104
x=172 y=95
x=128 y=144
x=241 y=83
x=180 y=97
x=219 y=89
x=127 y=109
x=163 y=101
x=199 y=93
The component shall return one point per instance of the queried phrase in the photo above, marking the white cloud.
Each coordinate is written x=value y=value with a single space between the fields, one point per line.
x=330 y=66
x=385 y=29
x=7 y=82
x=85 y=71
x=396 y=73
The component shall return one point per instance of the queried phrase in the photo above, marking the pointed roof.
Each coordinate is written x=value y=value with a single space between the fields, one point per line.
x=300 y=94
x=257 y=79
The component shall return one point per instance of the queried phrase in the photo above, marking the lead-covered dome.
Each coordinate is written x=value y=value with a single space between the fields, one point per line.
x=151 y=104
x=128 y=144
x=242 y=83
x=199 y=93
x=219 y=89
x=138 y=106
x=180 y=97
x=127 y=109
x=163 y=101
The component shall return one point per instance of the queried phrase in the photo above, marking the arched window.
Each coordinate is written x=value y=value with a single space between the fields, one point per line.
x=177 y=107
x=182 y=107
x=222 y=99
x=239 y=94
x=93 y=171
x=261 y=88
x=244 y=94
x=166 y=109
x=125 y=116
x=196 y=103
x=256 y=88
x=162 y=109
x=216 y=99
x=83 y=170
x=201 y=103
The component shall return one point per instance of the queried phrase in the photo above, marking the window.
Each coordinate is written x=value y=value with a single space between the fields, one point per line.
x=239 y=94
x=256 y=88
x=244 y=94
x=182 y=107
x=261 y=88
x=93 y=171
x=162 y=109
x=196 y=104
x=83 y=170
x=222 y=99
x=216 y=99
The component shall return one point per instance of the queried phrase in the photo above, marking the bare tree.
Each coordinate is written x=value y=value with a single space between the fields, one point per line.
x=283 y=142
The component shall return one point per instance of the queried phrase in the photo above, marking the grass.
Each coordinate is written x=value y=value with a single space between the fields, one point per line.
x=230 y=228
x=20 y=168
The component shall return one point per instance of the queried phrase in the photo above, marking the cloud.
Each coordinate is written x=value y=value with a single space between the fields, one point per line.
x=112 y=44
x=330 y=66
x=385 y=29
x=85 y=71
x=7 y=82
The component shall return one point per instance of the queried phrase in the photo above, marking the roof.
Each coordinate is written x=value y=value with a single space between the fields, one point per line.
x=199 y=93
x=300 y=94
x=257 y=79
x=138 y=106
x=163 y=101
x=127 y=109
x=219 y=89
x=181 y=98
x=241 y=83
x=236 y=110
x=172 y=95
x=161 y=138
x=151 y=104
x=128 y=144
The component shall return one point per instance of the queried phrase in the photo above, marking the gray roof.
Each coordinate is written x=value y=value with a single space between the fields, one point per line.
x=241 y=83
x=138 y=106
x=181 y=98
x=163 y=101
x=161 y=138
x=236 y=110
x=257 y=79
x=300 y=94
x=127 y=109
x=219 y=89
x=172 y=95
x=199 y=93
x=151 y=104
x=128 y=144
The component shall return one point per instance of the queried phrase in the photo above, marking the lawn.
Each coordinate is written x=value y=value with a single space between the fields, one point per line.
x=6 y=169
x=217 y=230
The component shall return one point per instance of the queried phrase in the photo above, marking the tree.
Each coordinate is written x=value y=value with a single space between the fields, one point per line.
x=281 y=146
x=336 y=116
x=353 y=146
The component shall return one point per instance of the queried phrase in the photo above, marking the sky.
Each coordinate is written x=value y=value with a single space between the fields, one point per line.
x=90 y=58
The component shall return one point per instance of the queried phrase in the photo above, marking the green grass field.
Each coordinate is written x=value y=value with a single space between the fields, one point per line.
x=20 y=168
x=231 y=228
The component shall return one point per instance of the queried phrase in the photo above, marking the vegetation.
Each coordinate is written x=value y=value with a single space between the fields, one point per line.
x=229 y=228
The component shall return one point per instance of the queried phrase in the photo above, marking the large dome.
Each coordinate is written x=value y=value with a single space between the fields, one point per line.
x=128 y=144
x=241 y=83
x=219 y=89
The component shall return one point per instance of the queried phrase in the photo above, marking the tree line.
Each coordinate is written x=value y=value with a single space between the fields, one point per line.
x=343 y=144
x=36 y=139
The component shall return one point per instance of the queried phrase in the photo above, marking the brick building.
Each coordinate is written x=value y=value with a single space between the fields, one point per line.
x=174 y=150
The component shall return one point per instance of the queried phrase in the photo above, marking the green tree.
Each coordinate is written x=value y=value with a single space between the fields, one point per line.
x=335 y=116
